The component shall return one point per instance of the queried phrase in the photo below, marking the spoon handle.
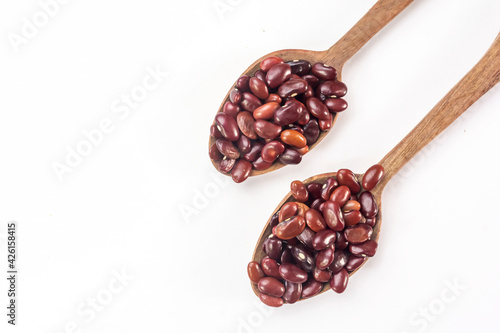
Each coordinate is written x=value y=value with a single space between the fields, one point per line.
x=374 y=20
x=481 y=78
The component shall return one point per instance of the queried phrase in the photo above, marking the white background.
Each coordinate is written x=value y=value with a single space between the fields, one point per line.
x=119 y=209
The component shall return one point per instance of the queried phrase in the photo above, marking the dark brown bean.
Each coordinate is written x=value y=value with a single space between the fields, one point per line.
x=299 y=191
x=274 y=220
x=215 y=133
x=260 y=75
x=311 y=131
x=325 y=257
x=369 y=207
x=271 y=286
x=269 y=62
x=314 y=190
x=322 y=276
x=214 y=153
x=353 y=217
x=317 y=108
x=272 y=247
x=333 y=216
x=354 y=262
x=326 y=124
x=315 y=220
x=259 y=88
x=231 y=109
x=254 y=152
x=339 y=281
x=241 y=171
x=341 y=243
x=235 y=96
x=341 y=195
x=324 y=72
x=272 y=301
x=335 y=104
x=330 y=185
x=278 y=74
x=340 y=260
x=332 y=88
x=366 y=249
x=372 y=176
x=266 y=111
x=290 y=228
x=290 y=156
x=371 y=221
x=288 y=113
x=306 y=237
x=292 y=88
x=348 y=178
x=305 y=116
x=226 y=164
x=244 y=144
x=359 y=233
x=272 y=150
x=266 y=130
x=245 y=123
x=292 y=273
x=227 y=149
x=311 y=288
x=323 y=239
x=302 y=257
x=288 y=210
x=293 y=291
x=242 y=83
x=286 y=256
x=270 y=267
x=300 y=67
x=255 y=272
x=249 y=102
x=317 y=203
x=312 y=80
x=227 y=126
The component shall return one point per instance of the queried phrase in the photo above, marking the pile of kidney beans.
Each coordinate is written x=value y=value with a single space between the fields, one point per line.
x=318 y=238
x=275 y=116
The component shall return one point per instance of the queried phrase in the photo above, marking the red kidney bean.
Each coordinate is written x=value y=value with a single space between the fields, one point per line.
x=226 y=164
x=272 y=301
x=314 y=190
x=255 y=273
x=369 y=207
x=340 y=260
x=354 y=262
x=341 y=243
x=292 y=273
x=244 y=144
x=214 y=153
x=299 y=191
x=302 y=209
x=339 y=281
x=273 y=98
x=323 y=239
x=372 y=176
x=260 y=75
x=272 y=247
x=227 y=126
x=235 y=96
x=242 y=83
x=311 y=288
x=341 y=195
x=231 y=109
x=317 y=108
x=293 y=138
x=266 y=111
x=292 y=88
x=302 y=257
x=241 y=171
x=324 y=72
x=260 y=164
x=286 y=256
x=315 y=220
x=366 y=249
x=274 y=220
x=290 y=156
x=348 y=178
x=258 y=88
x=350 y=206
x=352 y=218
x=278 y=74
x=333 y=216
x=335 y=104
x=289 y=113
x=332 y=88
x=300 y=67
x=312 y=80
x=326 y=124
x=305 y=117
x=245 y=123
x=306 y=238
x=271 y=286
x=269 y=62
x=311 y=131
x=317 y=203
x=293 y=291
x=272 y=150
x=358 y=234
x=254 y=152
x=330 y=185
x=270 y=267
x=215 y=133
x=325 y=257
x=287 y=211
x=249 y=102
x=227 y=149
x=290 y=228
x=371 y=221
x=322 y=276
x=266 y=130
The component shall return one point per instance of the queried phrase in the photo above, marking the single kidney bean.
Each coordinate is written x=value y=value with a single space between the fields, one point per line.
x=322 y=276
x=341 y=195
x=288 y=210
x=299 y=191
x=290 y=228
x=227 y=126
x=266 y=130
x=272 y=247
x=369 y=207
x=359 y=233
x=326 y=124
x=366 y=249
x=371 y=221
x=278 y=74
x=272 y=150
x=302 y=209
x=255 y=273
x=274 y=220
x=292 y=88
x=350 y=206
x=249 y=102
x=214 y=153
x=272 y=301
x=352 y=218
x=311 y=131
x=314 y=190
x=317 y=108
x=290 y=156
x=260 y=75
x=339 y=281
x=315 y=220
x=254 y=152
x=269 y=62
x=333 y=216
x=300 y=67
x=372 y=176
x=241 y=171
x=323 y=239
x=340 y=260
x=244 y=144
x=289 y=113
x=242 y=83
x=332 y=88
x=273 y=98
x=302 y=257
x=317 y=203
x=270 y=267
x=266 y=111
x=325 y=257
x=286 y=256
x=293 y=138
x=324 y=72
x=231 y=109
x=307 y=237
x=292 y=273
x=341 y=243
x=235 y=96
x=311 y=288
x=312 y=80
x=330 y=185
x=245 y=122
x=271 y=286
x=259 y=88
x=354 y=262
x=227 y=149
x=226 y=164
x=335 y=104
x=293 y=291
x=260 y=164
x=348 y=178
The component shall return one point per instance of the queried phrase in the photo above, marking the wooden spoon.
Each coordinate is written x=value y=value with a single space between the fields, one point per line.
x=336 y=56
x=480 y=79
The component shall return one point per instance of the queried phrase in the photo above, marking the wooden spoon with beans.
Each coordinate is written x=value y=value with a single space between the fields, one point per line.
x=336 y=56
x=481 y=78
